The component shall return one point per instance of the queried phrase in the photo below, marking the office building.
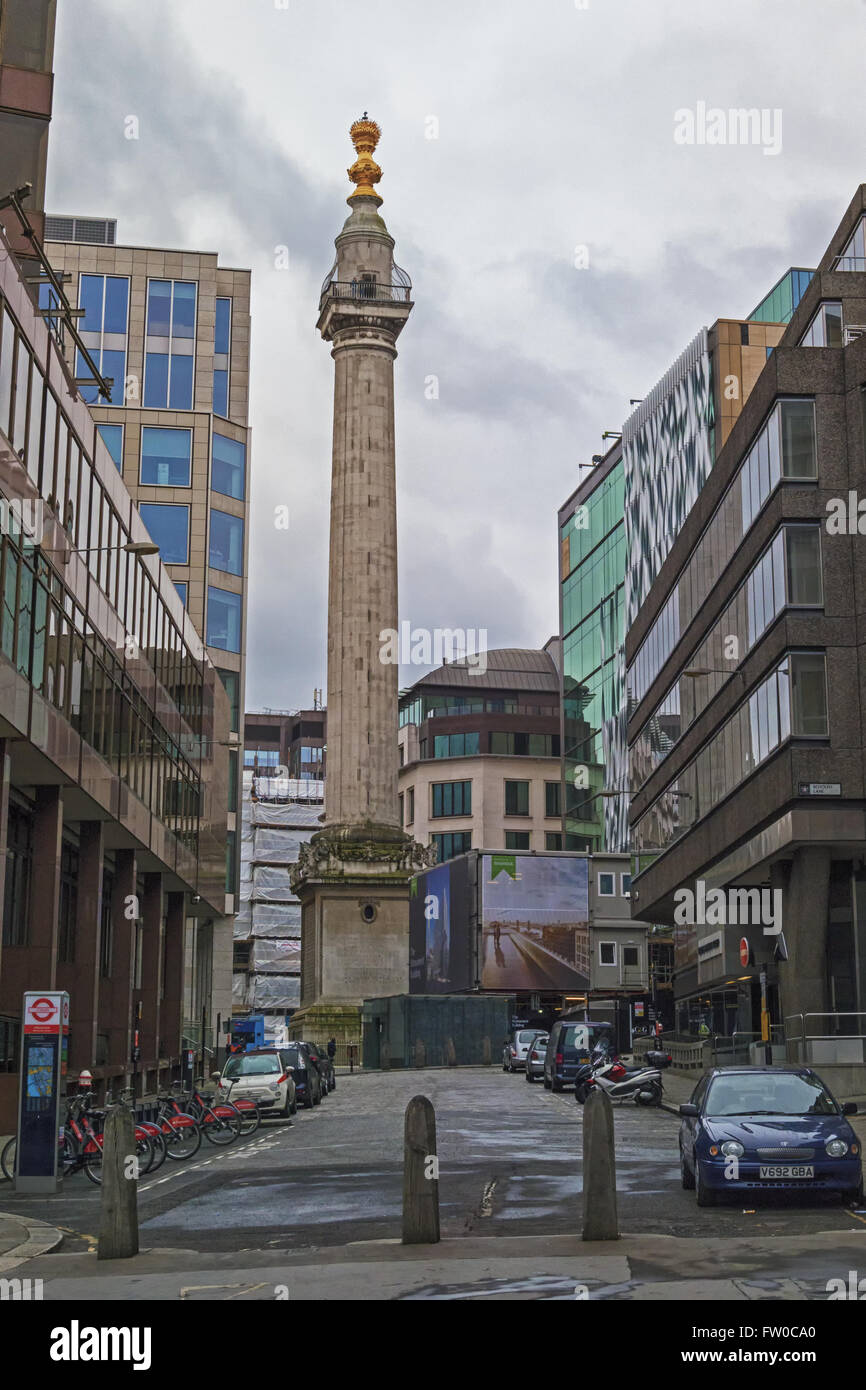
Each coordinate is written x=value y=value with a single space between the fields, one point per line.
x=113 y=725
x=171 y=329
x=745 y=674
x=480 y=754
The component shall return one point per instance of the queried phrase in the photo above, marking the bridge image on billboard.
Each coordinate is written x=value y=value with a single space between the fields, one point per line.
x=535 y=923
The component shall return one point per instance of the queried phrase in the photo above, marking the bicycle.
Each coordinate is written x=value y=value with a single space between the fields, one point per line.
x=181 y=1131
x=82 y=1144
x=220 y=1124
x=247 y=1109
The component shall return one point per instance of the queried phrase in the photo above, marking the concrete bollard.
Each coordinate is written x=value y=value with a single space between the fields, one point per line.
x=599 y=1169
x=486 y=1052
x=420 y=1053
x=420 y=1174
x=385 y=1056
x=450 y=1053
x=118 y=1225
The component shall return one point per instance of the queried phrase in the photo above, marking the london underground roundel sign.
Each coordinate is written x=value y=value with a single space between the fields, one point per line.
x=744 y=951
x=43 y=1010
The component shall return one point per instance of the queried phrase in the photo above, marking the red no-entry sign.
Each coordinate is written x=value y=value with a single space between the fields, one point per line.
x=744 y=951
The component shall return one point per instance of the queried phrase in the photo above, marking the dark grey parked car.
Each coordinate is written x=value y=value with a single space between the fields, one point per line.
x=308 y=1083
x=324 y=1065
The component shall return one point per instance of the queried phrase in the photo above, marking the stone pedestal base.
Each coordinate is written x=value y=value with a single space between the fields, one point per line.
x=353 y=884
x=319 y=1023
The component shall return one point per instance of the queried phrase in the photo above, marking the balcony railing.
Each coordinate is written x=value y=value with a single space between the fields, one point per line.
x=849 y=263
x=366 y=290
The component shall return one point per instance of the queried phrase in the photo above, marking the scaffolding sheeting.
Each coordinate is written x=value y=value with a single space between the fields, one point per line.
x=276 y=919
x=287 y=814
x=275 y=992
x=276 y=955
x=279 y=846
x=269 y=915
x=272 y=885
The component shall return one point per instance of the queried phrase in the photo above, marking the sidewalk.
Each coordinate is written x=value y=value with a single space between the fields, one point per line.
x=654 y=1267
x=22 y=1238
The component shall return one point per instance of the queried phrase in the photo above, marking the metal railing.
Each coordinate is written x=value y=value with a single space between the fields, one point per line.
x=729 y=1049
x=840 y=1042
x=849 y=263
x=366 y=290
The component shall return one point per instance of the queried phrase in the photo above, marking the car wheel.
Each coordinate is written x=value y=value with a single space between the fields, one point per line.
x=581 y=1092
x=308 y=1099
x=288 y=1109
x=854 y=1196
x=529 y=1075
x=556 y=1085
x=687 y=1177
x=705 y=1197
x=546 y=1083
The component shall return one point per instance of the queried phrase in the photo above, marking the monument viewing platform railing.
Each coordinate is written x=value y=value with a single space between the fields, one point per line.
x=367 y=290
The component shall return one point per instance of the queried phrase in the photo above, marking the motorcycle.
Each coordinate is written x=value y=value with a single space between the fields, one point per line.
x=644 y=1084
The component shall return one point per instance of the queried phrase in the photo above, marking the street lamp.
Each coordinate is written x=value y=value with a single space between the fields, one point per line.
x=131 y=548
x=695 y=672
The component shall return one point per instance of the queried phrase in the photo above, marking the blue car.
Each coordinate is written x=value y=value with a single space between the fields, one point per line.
x=767 y=1128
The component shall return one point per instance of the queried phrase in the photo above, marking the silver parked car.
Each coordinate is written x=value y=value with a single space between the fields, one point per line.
x=535 y=1057
x=516 y=1047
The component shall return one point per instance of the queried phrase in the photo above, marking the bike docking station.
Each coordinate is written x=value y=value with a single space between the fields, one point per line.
x=44 y=1051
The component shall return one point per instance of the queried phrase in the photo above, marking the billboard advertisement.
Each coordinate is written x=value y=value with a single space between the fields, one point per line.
x=439 y=930
x=534 y=922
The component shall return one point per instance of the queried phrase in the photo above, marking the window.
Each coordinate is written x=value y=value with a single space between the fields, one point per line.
x=223 y=619
x=452 y=799
x=169 y=355
x=169 y=527
x=854 y=255
x=112 y=438
x=798 y=439
x=228 y=470
x=517 y=839
x=517 y=798
x=226 y=542
x=804 y=565
x=454 y=745
x=449 y=845
x=410 y=806
x=625 y=885
x=232 y=682
x=222 y=351
x=68 y=905
x=808 y=695
x=165 y=456
x=553 y=798
x=607 y=953
x=553 y=840
x=103 y=329
x=19 y=853
x=607 y=885
x=825 y=330
x=183 y=589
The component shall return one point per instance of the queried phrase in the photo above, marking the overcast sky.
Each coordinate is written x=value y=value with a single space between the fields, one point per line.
x=556 y=123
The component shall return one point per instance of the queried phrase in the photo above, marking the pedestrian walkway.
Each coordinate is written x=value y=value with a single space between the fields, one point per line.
x=22 y=1238
x=655 y=1267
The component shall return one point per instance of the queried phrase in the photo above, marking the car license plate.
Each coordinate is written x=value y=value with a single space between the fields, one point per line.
x=787 y=1170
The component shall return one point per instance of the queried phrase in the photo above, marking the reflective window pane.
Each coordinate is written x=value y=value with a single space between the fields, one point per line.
x=165 y=456
x=169 y=526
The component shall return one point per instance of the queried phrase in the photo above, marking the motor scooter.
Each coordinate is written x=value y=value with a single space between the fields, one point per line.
x=643 y=1084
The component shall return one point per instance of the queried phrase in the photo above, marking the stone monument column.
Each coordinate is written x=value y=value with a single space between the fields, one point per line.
x=353 y=877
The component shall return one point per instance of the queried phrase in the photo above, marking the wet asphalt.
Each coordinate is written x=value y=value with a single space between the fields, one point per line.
x=509 y=1164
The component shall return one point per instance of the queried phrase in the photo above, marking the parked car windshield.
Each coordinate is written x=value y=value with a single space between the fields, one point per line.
x=251 y=1066
x=765 y=1094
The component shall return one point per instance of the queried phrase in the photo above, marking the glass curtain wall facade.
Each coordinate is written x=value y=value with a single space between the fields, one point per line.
x=592 y=622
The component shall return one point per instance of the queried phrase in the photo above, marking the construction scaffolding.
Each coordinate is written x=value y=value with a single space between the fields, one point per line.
x=279 y=814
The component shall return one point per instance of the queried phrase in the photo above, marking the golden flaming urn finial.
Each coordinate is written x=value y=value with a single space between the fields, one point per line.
x=365 y=172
